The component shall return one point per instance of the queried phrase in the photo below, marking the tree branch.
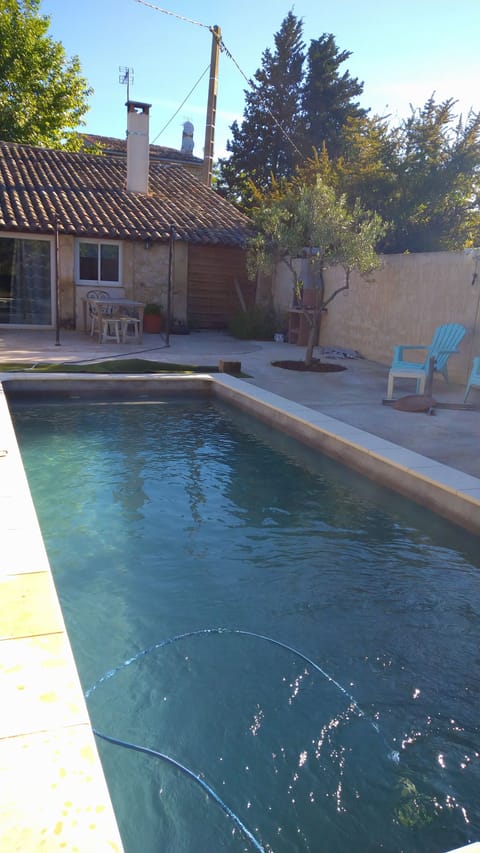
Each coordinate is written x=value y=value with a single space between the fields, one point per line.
x=346 y=286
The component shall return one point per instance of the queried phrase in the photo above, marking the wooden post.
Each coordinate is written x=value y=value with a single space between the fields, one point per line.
x=233 y=367
x=171 y=248
x=57 y=284
x=429 y=380
x=211 y=106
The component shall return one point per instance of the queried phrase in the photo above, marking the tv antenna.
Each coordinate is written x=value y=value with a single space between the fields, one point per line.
x=125 y=77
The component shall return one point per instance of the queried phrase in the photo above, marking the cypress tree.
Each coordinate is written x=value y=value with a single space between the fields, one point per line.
x=329 y=97
x=263 y=147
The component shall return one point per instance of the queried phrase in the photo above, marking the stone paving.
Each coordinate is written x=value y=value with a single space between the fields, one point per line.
x=354 y=396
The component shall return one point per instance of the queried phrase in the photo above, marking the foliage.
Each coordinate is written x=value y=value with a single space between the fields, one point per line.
x=288 y=111
x=259 y=147
x=414 y=809
x=257 y=324
x=369 y=162
x=153 y=308
x=43 y=96
x=422 y=176
x=312 y=221
x=436 y=205
x=328 y=97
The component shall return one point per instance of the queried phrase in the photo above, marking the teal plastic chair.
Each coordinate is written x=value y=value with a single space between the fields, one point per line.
x=474 y=378
x=445 y=343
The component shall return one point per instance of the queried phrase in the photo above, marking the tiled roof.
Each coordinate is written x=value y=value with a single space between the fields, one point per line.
x=114 y=146
x=86 y=194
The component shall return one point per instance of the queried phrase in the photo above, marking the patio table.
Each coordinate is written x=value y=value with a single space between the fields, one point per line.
x=116 y=310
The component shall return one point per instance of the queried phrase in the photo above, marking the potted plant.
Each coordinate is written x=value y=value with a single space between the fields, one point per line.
x=152 y=318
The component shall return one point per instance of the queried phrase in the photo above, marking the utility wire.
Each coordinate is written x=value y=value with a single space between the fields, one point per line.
x=267 y=110
x=225 y=50
x=173 y=14
x=183 y=102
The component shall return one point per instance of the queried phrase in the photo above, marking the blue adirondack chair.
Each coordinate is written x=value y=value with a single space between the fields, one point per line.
x=445 y=343
x=474 y=378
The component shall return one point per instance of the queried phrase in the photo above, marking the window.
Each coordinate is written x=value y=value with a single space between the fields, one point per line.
x=98 y=262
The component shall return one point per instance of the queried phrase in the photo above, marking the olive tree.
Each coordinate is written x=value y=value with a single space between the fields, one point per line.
x=313 y=222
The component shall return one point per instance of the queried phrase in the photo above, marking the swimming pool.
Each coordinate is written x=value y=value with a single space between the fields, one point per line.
x=183 y=516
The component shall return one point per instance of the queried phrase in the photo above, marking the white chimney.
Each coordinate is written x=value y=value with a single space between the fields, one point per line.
x=187 y=139
x=137 y=146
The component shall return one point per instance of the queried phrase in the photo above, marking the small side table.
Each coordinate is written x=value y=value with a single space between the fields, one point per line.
x=298 y=326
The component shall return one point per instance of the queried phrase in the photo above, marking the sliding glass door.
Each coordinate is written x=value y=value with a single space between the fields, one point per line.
x=25 y=281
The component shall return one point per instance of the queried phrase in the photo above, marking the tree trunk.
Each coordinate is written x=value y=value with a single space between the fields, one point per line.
x=310 y=345
x=312 y=338
x=314 y=332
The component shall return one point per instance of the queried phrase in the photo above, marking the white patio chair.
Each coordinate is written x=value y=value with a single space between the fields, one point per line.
x=110 y=324
x=130 y=323
x=93 y=315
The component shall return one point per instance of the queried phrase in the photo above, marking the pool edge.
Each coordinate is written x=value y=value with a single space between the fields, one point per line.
x=448 y=492
x=55 y=792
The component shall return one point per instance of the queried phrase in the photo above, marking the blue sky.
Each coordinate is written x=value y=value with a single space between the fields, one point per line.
x=403 y=52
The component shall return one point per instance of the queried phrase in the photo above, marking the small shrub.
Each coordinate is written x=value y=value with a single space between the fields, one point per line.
x=256 y=324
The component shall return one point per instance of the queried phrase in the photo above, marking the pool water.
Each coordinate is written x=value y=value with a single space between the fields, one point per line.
x=353 y=624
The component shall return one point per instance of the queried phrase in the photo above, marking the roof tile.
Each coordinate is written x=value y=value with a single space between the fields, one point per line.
x=86 y=194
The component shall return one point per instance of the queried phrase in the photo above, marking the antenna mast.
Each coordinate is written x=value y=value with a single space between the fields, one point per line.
x=125 y=77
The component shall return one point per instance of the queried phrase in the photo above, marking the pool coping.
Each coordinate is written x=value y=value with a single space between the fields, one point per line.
x=447 y=491
x=54 y=792
x=49 y=763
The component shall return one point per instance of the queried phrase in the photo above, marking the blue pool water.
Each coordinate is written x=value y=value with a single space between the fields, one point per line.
x=170 y=518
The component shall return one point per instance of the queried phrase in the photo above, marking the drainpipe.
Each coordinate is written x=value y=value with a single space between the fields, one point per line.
x=171 y=245
x=57 y=286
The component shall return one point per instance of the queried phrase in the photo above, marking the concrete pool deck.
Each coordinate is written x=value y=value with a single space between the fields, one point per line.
x=49 y=765
x=353 y=396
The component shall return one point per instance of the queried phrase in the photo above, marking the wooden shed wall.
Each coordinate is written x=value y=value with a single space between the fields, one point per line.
x=216 y=278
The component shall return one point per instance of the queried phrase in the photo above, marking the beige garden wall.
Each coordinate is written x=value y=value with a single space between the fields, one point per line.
x=403 y=302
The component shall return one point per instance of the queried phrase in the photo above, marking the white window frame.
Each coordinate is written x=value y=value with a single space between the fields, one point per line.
x=98 y=281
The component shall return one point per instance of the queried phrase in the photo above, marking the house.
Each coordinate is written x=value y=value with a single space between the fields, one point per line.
x=111 y=146
x=134 y=225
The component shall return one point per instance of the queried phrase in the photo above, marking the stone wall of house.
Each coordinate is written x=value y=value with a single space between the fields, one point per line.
x=401 y=303
x=145 y=272
x=145 y=278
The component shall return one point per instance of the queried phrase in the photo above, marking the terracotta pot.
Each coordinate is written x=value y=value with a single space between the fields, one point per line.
x=152 y=324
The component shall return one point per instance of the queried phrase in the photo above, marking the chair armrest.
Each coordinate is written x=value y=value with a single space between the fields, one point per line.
x=398 y=350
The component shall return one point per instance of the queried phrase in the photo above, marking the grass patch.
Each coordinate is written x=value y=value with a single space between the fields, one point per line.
x=127 y=365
